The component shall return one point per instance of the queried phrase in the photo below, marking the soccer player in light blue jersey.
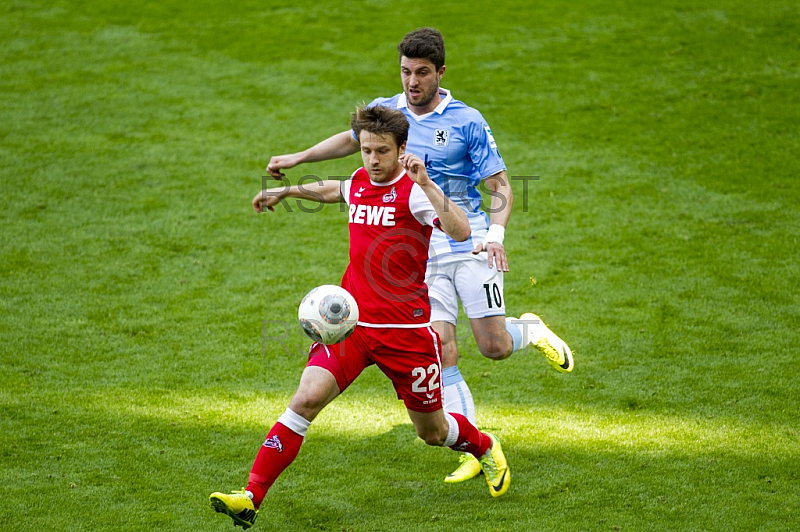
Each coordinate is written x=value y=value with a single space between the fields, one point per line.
x=459 y=152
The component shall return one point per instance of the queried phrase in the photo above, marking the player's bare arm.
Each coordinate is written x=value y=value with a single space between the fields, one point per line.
x=452 y=219
x=328 y=191
x=335 y=147
x=502 y=199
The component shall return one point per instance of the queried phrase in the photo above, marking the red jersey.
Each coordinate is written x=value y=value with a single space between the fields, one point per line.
x=390 y=230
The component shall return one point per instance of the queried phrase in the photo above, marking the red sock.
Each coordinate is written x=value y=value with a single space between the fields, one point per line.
x=279 y=450
x=470 y=439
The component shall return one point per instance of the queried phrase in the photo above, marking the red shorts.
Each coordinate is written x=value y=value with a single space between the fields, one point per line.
x=409 y=357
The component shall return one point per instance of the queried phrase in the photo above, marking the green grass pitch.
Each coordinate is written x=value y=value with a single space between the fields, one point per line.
x=142 y=346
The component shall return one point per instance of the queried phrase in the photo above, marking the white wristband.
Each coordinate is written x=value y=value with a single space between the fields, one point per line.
x=496 y=233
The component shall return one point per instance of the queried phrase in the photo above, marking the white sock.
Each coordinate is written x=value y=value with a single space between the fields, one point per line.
x=452 y=431
x=520 y=331
x=294 y=422
x=456 y=396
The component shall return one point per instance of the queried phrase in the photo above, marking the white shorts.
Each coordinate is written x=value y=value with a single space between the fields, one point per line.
x=466 y=277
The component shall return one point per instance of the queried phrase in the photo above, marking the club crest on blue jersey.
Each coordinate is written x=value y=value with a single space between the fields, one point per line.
x=391 y=196
x=441 y=137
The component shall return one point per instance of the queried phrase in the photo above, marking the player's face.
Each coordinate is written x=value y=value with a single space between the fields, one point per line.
x=380 y=155
x=421 y=84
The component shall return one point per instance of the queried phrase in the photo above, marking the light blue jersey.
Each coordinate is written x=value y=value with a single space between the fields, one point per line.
x=459 y=151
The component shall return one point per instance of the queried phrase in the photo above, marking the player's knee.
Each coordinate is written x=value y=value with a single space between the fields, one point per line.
x=496 y=348
x=307 y=403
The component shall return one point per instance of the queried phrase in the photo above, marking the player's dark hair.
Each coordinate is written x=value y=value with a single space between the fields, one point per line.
x=380 y=120
x=424 y=43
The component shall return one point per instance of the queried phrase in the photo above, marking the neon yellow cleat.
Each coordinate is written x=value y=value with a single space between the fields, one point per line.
x=554 y=349
x=495 y=468
x=237 y=505
x=468 y=468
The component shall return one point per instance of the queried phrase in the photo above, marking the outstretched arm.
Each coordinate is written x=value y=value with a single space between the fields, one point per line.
x=320 y=191
x=453 y=221
x=340 y=145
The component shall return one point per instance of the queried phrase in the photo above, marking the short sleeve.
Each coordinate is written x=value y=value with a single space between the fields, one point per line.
x=344 y=188
x=421 y=207
x=482 y=148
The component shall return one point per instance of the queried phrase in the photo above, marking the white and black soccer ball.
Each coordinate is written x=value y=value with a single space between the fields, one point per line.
x=328 y=314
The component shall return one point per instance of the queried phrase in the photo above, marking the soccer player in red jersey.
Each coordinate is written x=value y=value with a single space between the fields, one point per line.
x=393 y=208
x=460 y=152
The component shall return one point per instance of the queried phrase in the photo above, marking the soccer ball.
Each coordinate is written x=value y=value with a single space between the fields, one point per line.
x=328 y=314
